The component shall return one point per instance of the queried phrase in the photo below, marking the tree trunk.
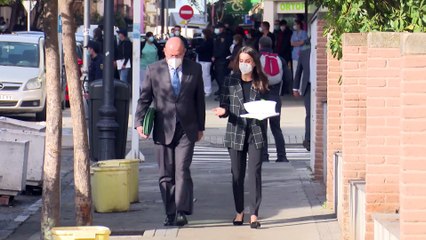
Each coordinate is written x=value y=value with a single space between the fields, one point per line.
x=83 y=200
x=50 y=213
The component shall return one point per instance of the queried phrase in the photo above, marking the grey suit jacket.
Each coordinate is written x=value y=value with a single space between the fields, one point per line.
x=188 y=108
x=303 y=66
x=232 y=100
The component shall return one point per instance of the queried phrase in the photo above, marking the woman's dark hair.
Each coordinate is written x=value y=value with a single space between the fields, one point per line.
x=207 y=33
x=298 y=22
x=97 y=34
x=260 y=81
x=149 y=34
x=238 y=38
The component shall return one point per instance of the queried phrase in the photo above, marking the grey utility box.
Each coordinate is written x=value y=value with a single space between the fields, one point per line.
x=13 y=162
x=11 y=123
x=35 y=152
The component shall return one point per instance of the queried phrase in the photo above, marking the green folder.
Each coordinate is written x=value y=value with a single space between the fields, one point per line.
x=148 y=121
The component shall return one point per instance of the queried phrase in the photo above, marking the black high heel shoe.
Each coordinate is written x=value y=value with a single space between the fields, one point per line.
x=238 y=223
x=255 y=225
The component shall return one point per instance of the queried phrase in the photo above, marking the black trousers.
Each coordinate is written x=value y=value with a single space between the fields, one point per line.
x=175 y=181
x=274 y=122
x=307 y=102
x=221 y=71
x=238 y=169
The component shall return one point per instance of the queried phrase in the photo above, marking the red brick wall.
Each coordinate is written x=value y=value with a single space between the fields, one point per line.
x=353 y=115
x=413 y=139
x=321 y=98
x=383 y=126
x=334 y=119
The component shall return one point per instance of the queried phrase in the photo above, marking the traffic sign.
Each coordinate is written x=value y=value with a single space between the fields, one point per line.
x=186 y=12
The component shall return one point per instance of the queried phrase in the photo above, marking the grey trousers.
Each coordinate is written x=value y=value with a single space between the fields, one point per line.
x=175 y=180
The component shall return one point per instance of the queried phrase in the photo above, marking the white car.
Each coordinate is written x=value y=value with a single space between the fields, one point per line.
x=22 y=75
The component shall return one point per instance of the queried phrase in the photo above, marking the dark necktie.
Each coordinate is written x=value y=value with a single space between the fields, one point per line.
x=176 y=82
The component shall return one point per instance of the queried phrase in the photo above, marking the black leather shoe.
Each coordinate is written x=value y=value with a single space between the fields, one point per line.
x=282 y=159
x=170 y=220
x=307 y=145
x=181 y=220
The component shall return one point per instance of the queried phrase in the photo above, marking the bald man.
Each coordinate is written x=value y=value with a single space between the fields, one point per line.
x=175 y=87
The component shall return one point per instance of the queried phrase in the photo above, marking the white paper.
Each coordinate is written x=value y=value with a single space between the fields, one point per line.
x=259 y=116
x=120 y=63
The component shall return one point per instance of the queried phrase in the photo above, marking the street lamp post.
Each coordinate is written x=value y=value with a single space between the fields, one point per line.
x=107 y=124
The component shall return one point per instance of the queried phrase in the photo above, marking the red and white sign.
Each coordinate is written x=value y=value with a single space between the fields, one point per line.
x=186 y=12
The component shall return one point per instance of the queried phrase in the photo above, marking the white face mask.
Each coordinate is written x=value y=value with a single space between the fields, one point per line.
x=171 y=35
x=177 y=33
x=174 y=62
x=282 y=28
x=217 y=31
x=245 y=68
x=295 y=27
x=235 y=42
x=202 y=35
x=151 y=39
x=260 y=29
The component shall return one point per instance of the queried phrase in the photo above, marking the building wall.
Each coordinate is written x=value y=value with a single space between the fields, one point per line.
x=382 y=133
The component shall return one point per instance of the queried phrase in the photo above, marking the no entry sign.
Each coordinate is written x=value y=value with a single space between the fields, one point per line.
x=186 y=12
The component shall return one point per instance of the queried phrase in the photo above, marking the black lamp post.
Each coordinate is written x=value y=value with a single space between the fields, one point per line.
x=107 y=124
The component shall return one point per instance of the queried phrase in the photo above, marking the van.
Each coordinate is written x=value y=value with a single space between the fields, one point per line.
x=23 y=75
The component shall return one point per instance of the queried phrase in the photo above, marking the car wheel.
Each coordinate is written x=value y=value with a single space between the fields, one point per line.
x=41 y=116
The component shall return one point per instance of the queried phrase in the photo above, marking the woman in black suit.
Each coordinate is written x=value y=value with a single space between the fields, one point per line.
x=244 y=136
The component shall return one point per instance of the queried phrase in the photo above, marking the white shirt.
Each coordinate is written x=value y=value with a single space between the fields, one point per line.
x=172 y=71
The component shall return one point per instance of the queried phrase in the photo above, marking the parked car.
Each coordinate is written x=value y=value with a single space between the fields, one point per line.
x=22 y=78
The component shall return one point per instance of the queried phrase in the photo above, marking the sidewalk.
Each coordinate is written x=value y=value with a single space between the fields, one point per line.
x=291 y=206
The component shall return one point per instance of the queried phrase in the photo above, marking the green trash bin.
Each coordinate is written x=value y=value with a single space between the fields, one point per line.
x=121 y=103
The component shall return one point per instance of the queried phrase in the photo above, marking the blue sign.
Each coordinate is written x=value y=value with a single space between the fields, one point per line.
x=247 y=19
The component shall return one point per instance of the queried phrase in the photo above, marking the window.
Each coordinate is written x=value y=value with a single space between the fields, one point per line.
x=19 y=54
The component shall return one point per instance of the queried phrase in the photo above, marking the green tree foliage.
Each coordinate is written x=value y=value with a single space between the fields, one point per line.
x=351 y=16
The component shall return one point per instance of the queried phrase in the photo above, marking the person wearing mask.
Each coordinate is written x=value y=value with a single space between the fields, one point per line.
x=175 y=87
x=205 y=54
x=178 y=33
x=221 y=51
x=250 y=39
x=264 y=30
x=151 y=52
x=298 y=39
x=284 y=49
x=237 y=44
x=124 y=55
x=276 y=77
x=96 y=63
x=276 y=28
x=244 y=136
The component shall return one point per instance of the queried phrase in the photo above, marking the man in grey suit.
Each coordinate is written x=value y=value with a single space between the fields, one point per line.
x=175 y=86
x=302 y=87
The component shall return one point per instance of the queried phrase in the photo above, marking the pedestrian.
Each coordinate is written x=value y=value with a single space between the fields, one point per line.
x=250 y=39
x=264 y=32
x=221 y=51
x=298 y=40
x=175 y=87
x=151 y=52
x=237 y=44
x=244 y=136
x=302 y=87
x=96 y=63
x=277 y=72
x=284 y=49
x=205 y=54
x=98 y=38
x=178 y=33
x=123 y=55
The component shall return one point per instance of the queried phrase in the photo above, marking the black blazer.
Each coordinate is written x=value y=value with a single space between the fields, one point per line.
x=232 y=100
x=303 y=66
x=189 y=107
